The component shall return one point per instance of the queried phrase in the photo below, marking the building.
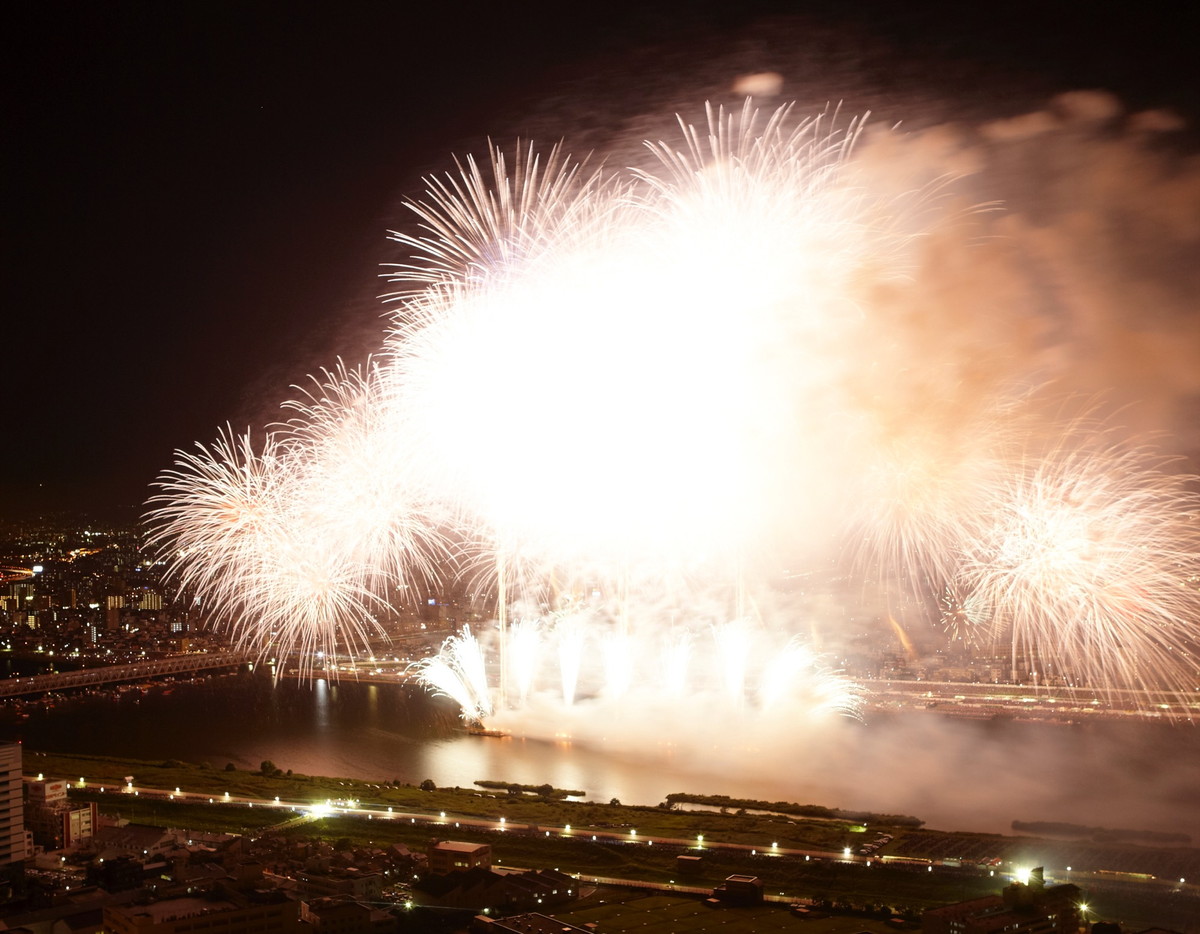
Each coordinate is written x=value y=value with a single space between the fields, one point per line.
x=349 y=883
x=12 y=823
x=482 y=889
x=448 y=856
x=55 y=823
x=1021 y=908
x=740 y=890
x=220 y=911
x=335 y=916
x=122 y=874
x=533 y=923
x=688 y=865
x=125 y=838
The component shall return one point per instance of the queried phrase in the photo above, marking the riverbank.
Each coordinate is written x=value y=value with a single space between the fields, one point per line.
x=175 y=777
x=542 y=830
x=739 y=826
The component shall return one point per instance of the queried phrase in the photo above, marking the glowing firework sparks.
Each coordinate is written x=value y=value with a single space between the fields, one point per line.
x=654 y=334
x=298 y=546
x=459 y=672
x=477 y=228
x=570 y=636
x=791 y=680
x=354 y=480
x=524 y=650
x=677 y=654
x=733 y=652
x=1087 y=562
x=618 y=665
x=216 y=509
x=237 y=538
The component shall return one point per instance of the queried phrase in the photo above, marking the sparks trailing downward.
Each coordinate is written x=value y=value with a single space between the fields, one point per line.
x=628 y=392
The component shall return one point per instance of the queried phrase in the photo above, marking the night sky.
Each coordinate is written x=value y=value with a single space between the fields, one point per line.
x=197 y=195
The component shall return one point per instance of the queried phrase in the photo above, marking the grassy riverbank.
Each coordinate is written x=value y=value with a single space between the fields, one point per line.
x=519 y=809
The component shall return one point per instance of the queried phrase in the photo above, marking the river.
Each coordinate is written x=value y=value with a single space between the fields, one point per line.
x=954 y=774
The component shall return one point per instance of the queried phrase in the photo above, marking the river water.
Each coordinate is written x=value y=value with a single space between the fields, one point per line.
x=954 y=774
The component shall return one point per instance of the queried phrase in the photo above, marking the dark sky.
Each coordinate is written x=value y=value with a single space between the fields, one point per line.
x=197 y=193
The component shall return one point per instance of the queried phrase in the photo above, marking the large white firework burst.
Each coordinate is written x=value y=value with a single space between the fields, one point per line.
x=1089 y=561
x=605 y=389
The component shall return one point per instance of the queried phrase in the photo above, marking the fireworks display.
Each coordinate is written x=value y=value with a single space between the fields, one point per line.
x=620 y=402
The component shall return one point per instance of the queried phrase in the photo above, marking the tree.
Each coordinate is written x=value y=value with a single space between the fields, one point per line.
x=615 y=802
x=267 y=767
x=428 y=785
x=230 y=767
x=545 y=791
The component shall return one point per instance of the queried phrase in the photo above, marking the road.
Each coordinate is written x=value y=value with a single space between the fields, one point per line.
x=301 y=811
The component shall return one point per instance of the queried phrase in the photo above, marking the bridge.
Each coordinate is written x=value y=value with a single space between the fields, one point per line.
x=109 y=674
x=10 y=574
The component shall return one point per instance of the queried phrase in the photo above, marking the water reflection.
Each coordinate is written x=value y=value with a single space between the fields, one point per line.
x=957 y=775
x=321 y=706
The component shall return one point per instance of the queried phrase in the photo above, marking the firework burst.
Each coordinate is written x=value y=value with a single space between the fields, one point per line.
x=239 y=539
x=1088 y=562
x=298 y=546
x=608 y=389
